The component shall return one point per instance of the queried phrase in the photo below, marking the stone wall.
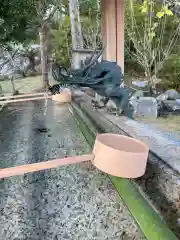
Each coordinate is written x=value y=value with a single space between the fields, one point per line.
x=161 y=182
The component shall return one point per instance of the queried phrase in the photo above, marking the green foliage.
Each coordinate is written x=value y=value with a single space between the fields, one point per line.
x=89 y=8
x=90 y=23
x=15 y=17
x=30 y=53
x=91 y=32
x=171 y=72
x=152 y=34
x=143 y=27
x=61 y=42
x=61 y=32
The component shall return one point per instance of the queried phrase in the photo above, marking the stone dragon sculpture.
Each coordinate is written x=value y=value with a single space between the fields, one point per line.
x=103 y=77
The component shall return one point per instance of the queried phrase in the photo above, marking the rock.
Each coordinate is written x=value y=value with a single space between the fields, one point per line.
x=122 y=85
x=147 y=107
x=135 y=98
x=171 y=105
x=169 y=95
x=172 y=94
x=178 y=101
x=96 y=104
x=162 y=97
x=138 y=94
x=98 y=97
x=111 y=105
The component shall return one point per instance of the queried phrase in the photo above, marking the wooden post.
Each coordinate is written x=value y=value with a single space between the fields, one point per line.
x=112 y=26
x=120 y=33
x=103 y=26
x=108 y=11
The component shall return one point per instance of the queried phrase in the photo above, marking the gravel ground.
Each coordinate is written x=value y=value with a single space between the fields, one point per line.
x=70 y=202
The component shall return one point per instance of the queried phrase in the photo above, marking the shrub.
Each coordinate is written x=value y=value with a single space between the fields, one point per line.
x=171 y=72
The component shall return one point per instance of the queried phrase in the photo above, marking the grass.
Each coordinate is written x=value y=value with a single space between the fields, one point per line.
x=168 y=124
x=24 y=85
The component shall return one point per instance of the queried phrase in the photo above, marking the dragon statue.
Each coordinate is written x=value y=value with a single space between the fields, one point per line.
x=103 y=77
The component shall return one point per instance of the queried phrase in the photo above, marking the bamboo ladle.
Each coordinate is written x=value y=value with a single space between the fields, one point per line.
x=64 y=97
x=113 y=154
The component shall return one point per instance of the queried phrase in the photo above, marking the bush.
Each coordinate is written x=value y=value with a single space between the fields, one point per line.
x=171 y=72
x=31 y=74
x=131 y=65
x=61 y=42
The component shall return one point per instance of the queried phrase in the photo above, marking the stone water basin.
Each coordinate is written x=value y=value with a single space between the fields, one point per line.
x=71 y=202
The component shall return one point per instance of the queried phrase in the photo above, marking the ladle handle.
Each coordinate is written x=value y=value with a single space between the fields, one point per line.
x=34 y=167
x=23 y=95
x=24 y=99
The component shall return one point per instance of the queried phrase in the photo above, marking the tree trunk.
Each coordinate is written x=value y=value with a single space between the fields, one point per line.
x=43 y=50
x=15 y=92
x=76 y=32
x=32 y=64
x=13 y=87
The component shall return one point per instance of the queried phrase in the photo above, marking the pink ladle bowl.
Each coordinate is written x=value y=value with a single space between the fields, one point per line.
x=120 y=156
x=63 y=97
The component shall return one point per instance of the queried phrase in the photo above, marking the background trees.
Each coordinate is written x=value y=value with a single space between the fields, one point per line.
x=151 y=37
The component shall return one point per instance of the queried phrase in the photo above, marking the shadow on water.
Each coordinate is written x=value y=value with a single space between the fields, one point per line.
x=8 y=125
x=24 y=134
x=34 y=183
x=38 y=182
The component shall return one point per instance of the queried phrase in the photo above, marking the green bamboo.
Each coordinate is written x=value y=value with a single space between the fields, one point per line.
x=150 y=223
x=152 y=226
